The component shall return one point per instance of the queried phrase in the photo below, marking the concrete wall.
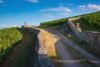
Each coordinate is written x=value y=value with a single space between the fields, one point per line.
x=74 y=29
x=92 y=38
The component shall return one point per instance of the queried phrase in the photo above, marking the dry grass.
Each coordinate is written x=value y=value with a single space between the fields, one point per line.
x=49 y=43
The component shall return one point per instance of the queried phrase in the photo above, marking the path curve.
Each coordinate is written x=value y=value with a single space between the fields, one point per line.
x=93 y=59
x=50 y=39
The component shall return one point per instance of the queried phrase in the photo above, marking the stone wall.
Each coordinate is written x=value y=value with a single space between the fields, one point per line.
x=92 y=38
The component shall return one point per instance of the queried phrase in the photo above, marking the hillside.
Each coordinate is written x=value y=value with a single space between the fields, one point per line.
x=88 y=22
x=9 y=37
x=53 y=24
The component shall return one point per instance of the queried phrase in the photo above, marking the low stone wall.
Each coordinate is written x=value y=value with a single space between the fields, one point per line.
x=92 y=38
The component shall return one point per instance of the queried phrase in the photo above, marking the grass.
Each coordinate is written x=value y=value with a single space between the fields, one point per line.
x=22 y=58
x=54 y=56
x=9 y=38
x=90 y=22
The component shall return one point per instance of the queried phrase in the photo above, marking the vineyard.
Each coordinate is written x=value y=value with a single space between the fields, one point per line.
x=90 y=22
x=54 y=23
x=9 y=37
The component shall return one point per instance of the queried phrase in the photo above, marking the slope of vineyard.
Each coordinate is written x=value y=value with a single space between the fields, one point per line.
x=53 y=24
x=88 y=22
x=9 y=37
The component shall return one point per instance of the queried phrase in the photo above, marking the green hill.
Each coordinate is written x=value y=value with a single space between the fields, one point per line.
x=9 y=37
x=88 y=22
x=53 y=24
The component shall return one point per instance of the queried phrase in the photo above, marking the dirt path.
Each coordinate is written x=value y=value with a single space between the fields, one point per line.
x=46 y=43
x=50 y=41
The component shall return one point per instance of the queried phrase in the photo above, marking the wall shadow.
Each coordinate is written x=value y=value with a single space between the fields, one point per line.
x=33 y=57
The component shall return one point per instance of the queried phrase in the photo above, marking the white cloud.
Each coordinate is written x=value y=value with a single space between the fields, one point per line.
x=1 y=1
x=93 y=6
x=58 y=9
x=33 y=1
x=48 y=16
x=56 y=12
x=90 y=6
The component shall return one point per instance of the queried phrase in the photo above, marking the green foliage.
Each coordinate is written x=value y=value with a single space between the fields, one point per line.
x=8 y=39
x=90 y=22
x=53 y=23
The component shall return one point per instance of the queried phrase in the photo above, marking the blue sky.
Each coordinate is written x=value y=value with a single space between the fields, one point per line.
x=16 y=12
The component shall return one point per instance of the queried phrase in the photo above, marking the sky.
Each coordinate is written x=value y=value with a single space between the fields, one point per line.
x=16 y=12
